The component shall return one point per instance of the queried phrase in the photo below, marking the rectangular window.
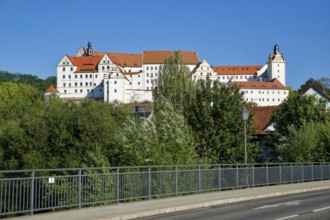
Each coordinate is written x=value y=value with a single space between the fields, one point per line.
x=63 y=76
x=81 y=76
x=147 y=74
x=81 y=90
x=64 y=91
x=69 y=84
x=151 y=68
x=63 y=69
x=147 y=68
x=115 y=82
x=69 y=76
x=155 y=67
x=86 y=76
x=81 y=84
x=71 y=69
x=75 y=84
x=76 y=76
x=102 y=67
x=75 y=91
x=63 y=84
x=86 y=84
x=115 y=90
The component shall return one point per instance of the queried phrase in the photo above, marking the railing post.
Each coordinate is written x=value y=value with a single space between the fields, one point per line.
x=253 y=175
x=219 y=177
x=117 y=185
x=267 y=174
x=291 y=173
x=237 y=177
x=321 y=171
x=149 y=182
x=176 y=180
x=302 y=172
x=79 y=188
x=280 y=169
x=32 y=193
x=312 y=171
x=199 y=178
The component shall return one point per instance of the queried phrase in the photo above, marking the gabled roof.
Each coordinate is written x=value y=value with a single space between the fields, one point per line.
x=236 y=70
x=274 y=84
x=51 y=89
x=121 y=59
x=85 y=63
x=158 y=57
x=316 y=90
x=262 y=117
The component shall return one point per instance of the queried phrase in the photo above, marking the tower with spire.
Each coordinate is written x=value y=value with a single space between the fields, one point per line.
x=276 y=65
x=89 y=47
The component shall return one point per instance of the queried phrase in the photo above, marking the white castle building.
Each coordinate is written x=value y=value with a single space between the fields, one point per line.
x=131 y=77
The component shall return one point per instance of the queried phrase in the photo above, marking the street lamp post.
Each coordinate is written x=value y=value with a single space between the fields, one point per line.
x=245 y=117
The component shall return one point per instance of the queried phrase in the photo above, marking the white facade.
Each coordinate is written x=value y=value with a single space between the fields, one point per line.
x=131 y=77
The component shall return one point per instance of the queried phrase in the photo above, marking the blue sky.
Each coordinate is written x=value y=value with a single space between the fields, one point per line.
x=36 y=34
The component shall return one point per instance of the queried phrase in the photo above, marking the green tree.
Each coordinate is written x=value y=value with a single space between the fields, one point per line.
x=298 y=110
x=310 y=143
x=216 y=123
x=174 y=85
x=323 y=85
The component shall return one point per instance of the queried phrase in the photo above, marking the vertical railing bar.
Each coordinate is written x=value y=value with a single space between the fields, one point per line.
x=32 y=193
x=18 y=195
x=237 y=177
x=291 y=173
x=117 y=188
x=149 y=182
x=253 y=170
x=302 y=172
x=219 y=177
x=79 y=188
x=280 y=173
x=199 y=178
x=267 y=174
x=176 y=180
x=321 y=170
x=312 y=171
x=1 y=194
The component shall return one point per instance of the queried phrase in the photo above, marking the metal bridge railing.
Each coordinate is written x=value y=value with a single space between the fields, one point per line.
x=29 y=191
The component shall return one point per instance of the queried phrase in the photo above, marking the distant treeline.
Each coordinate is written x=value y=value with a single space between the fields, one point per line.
x=32 y=80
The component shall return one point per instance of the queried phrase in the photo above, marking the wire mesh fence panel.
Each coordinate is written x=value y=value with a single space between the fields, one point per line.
x=274 y=175
x=228 y=178
x=97 y=188
x=260 y=176
x=317 y=172
x=308 y=172
x=133 y=185
x=209 y=179
x=187 y=181
x=297 y=174
x=245 y=176
x=163 y=183
x=286 y=174
x=326 y=171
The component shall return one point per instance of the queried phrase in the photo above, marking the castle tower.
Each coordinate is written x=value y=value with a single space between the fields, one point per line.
x=276 y=65
x=89 y=47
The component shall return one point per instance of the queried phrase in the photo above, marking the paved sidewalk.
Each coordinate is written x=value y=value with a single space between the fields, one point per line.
x=140 y=209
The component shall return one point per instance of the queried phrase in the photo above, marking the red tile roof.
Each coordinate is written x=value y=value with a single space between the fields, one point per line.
x=51 y=89
x=262 y=117
x=122 y=59
x=274 y=84
x=158 y=57
x=236 y=70
x=85 y=63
